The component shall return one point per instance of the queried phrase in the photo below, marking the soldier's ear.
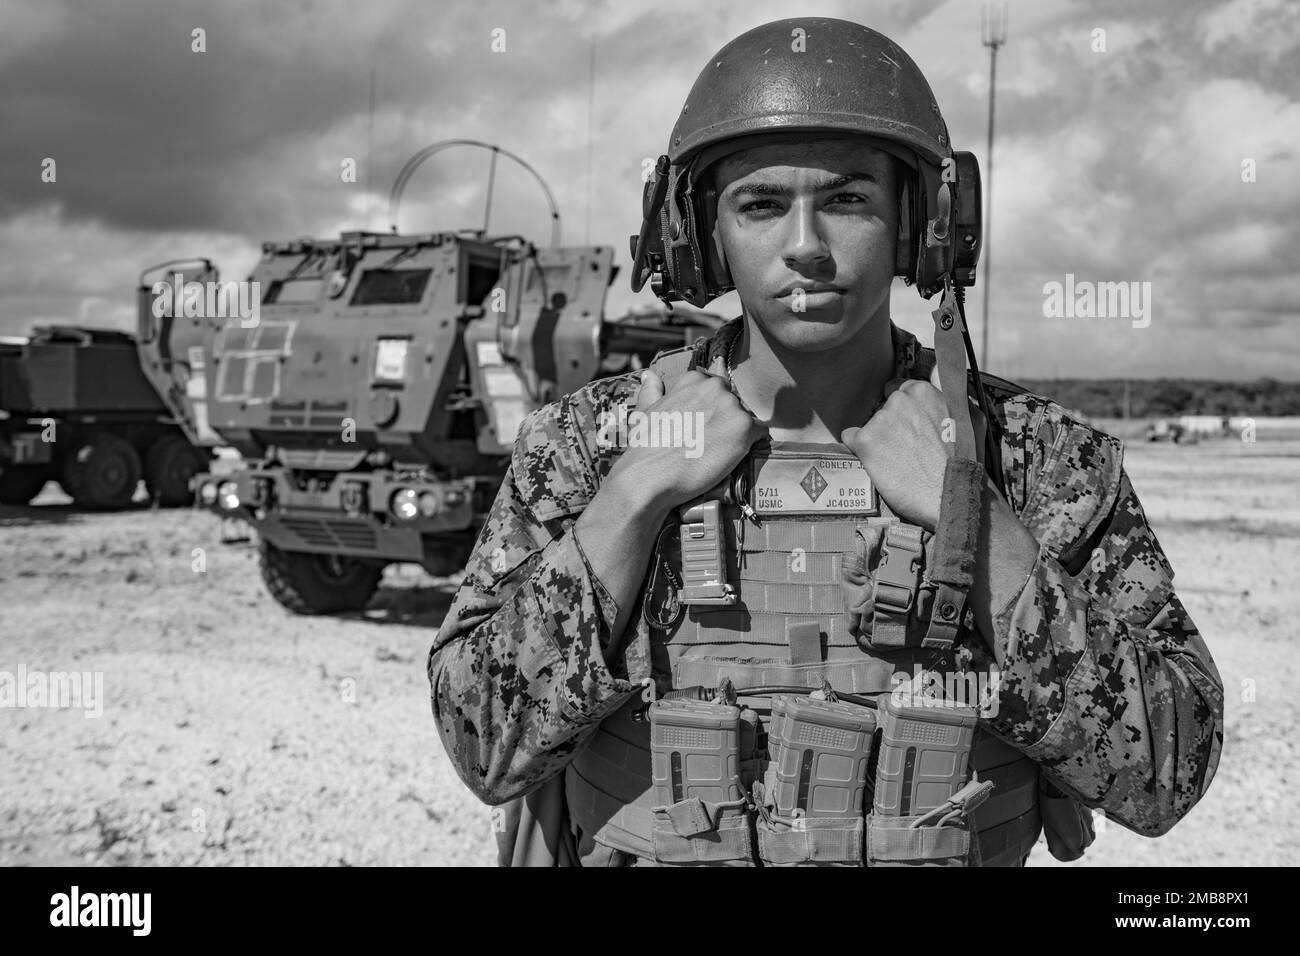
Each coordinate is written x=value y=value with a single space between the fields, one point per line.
x=712 y=240
x=718 y=257
x=903 y=263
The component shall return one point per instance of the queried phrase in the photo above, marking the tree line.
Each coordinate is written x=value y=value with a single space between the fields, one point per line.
x=1165 y=397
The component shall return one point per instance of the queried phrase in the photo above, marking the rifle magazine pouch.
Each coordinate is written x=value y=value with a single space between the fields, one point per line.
x=910 y=841
x=692 y=832
x=922 y=803
x=817 y=785
x=701 y=813
x=1067 y=824
x=801 y=841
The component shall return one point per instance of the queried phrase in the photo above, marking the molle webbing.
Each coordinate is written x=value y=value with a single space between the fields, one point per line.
x=861 y=676
x=786 y=571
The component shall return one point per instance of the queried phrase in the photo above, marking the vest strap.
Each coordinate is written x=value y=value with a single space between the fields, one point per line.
x=963 y=482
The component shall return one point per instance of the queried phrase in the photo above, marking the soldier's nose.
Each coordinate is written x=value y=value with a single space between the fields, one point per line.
x=804 y=243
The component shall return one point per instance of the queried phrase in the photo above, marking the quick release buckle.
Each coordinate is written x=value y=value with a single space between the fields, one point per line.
x=898 y=576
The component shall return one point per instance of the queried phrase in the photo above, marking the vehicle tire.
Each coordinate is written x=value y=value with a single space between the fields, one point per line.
x=449 y=558
x=318 y=583
x=19 y=484
x=102 y=474
x=169 y=464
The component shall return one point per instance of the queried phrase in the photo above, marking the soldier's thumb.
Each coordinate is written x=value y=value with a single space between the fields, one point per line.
x=651 y=390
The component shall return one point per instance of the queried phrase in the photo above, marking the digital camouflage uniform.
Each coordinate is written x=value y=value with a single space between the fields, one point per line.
x=1106 y=684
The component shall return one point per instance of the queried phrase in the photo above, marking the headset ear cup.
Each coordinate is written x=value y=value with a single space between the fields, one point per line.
x=680 y=269
x=684 y=259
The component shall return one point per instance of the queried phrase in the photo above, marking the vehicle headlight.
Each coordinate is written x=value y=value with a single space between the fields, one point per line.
x=208 y=494
x=405 y=505
x=228 y=495
x=428 y=504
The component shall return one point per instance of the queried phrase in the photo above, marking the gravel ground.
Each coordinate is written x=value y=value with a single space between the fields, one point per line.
x=236 y=733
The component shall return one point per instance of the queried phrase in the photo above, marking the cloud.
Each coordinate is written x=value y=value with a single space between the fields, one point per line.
x=87 y=272
x=1116 y=165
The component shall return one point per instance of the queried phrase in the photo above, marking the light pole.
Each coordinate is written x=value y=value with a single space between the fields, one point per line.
x=993 y=33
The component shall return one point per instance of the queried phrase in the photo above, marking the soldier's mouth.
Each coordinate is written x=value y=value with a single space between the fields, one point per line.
x=808 y=288
x=800 y=300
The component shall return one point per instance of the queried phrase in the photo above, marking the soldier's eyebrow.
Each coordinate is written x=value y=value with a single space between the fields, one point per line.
x=826 y=185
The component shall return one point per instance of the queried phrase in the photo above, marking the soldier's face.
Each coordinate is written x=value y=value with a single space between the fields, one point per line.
x=808 y=231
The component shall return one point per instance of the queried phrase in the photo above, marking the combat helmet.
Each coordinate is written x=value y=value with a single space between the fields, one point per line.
x=794 y=77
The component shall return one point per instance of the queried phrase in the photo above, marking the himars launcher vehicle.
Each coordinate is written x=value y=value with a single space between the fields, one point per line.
x=376 y=399
x=97 y=409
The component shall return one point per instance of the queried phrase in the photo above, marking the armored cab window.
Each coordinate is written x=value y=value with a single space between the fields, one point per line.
x=304 y=291
x=479 y=274
x=391 y=286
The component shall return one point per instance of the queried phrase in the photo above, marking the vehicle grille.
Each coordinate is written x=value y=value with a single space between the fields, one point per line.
x=333 y=535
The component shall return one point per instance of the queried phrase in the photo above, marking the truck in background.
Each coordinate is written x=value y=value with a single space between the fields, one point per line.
x=376 y=400
x=98 y=409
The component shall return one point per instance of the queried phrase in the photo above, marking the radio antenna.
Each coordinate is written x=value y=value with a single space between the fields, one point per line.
x=370 y=157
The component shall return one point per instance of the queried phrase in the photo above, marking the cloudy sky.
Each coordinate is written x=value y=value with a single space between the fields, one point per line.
x=1123 y=164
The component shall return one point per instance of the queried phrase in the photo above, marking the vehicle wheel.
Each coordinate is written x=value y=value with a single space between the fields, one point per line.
x=102 y=474
x=169 y=464
x=19 y=484
x=449 y=558
x=318 y=583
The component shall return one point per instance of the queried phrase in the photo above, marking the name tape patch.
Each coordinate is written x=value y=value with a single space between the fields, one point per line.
x=811 y=486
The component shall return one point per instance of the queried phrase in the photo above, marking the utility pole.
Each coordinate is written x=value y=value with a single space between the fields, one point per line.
x=591 y=122
x=993 y=33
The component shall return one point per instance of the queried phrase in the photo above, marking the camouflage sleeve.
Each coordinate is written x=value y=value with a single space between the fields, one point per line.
x=517 y=675
x=1106 y=681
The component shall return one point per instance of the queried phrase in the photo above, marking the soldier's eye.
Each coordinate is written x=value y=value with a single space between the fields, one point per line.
x=759 y=205
x=850 y=199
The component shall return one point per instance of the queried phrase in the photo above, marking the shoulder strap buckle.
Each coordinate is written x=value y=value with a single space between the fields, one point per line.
x=898 y=576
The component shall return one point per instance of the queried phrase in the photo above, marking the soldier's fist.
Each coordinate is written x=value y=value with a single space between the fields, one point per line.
x=905 y=447
x=682 y=443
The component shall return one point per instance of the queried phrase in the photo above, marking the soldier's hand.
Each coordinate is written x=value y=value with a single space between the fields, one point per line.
x=712 y=433
x=905 y=447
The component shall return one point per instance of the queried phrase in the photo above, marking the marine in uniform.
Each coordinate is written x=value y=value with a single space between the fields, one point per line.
x=752 y=654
